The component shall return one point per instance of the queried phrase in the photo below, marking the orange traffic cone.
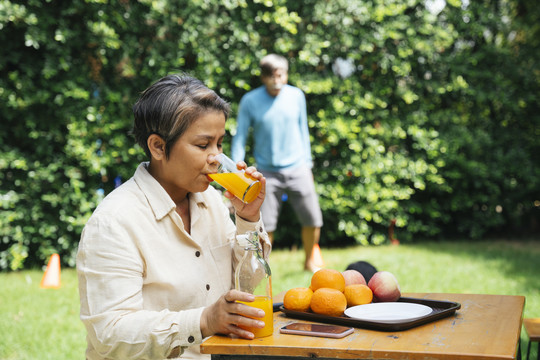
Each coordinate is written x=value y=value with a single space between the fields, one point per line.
x=51 y=278
x=316 y=255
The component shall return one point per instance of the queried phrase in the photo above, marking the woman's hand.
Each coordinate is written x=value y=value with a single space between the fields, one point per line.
x=249 y=212
x=226 y=315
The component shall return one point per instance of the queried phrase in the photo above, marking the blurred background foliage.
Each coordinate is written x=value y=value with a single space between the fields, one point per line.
x=422 y=112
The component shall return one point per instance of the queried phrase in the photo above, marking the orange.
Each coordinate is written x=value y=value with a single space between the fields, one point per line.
x=297 y=299
x=328 y=278
x=327 y=301
x=358 y=294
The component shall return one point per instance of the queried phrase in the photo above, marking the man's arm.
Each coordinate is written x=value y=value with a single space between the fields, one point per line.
x=304 y=130
x=243 y=122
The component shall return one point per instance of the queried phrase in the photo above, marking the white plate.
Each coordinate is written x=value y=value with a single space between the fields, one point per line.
x=388 y=311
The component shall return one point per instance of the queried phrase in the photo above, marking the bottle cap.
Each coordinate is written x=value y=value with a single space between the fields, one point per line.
x=243 y=240
x=249 y=240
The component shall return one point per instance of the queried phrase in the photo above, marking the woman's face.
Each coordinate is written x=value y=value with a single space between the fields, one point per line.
x=188 y=164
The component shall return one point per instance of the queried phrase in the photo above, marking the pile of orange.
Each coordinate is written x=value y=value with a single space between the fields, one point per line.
x=327 y=294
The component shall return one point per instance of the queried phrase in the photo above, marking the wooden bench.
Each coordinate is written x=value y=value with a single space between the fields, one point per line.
x=532 y=328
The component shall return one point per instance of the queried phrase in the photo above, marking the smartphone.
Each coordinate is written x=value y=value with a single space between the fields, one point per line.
x=330 y=331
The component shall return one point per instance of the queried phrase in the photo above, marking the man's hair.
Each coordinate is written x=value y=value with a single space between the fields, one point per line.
x=273 y=62
x=169 y=107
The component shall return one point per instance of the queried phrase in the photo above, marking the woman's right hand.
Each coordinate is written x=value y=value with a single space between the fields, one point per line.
x=226 y=316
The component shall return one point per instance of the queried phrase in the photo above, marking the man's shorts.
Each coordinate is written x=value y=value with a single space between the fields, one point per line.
x=298 y=184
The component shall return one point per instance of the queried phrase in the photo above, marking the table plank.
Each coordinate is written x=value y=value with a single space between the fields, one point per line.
x=532 y=326
x=486 y=327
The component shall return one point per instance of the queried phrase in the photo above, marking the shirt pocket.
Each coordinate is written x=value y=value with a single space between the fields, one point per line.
x=222 y=256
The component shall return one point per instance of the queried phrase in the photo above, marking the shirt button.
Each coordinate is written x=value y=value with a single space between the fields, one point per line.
x=207 y=287
x=197 y=253
x=191 y=339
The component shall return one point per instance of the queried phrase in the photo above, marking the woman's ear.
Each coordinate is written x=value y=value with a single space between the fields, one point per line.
x=156 y=145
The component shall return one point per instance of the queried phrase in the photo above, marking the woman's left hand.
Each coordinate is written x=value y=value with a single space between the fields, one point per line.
x=249 y=212
x=229 y=317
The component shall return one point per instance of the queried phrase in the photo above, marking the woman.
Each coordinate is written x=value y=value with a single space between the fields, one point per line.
x=156 y=258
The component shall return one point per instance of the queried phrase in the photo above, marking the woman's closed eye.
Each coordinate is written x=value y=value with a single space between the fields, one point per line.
x=205 y=146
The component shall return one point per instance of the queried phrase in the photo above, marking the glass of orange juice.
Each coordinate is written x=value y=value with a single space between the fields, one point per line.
x=264 y=303
x=236 y=181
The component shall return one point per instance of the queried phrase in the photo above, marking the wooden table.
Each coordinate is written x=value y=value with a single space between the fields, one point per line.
x=486 y=327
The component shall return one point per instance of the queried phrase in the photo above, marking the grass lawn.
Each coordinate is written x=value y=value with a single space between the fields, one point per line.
x=43 y=323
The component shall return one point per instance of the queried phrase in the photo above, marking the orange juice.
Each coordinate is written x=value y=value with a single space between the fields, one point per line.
x=239 y=184
x=264 y=303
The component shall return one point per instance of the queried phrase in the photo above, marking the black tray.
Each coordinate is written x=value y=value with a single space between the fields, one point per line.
x=441 y=309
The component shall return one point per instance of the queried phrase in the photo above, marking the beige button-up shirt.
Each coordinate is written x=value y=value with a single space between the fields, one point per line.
x=143 y=280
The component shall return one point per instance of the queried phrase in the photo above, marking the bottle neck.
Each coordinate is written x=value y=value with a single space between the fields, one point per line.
x=253 y=249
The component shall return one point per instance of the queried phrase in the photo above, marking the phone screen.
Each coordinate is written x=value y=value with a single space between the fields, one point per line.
x=334 y=331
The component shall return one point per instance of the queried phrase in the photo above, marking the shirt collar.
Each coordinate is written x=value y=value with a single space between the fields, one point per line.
x=158 y=199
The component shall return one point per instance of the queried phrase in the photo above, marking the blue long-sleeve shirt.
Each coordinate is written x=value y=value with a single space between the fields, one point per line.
x=280 y=129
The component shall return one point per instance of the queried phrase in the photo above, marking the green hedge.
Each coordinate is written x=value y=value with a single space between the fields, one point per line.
x=426 y=117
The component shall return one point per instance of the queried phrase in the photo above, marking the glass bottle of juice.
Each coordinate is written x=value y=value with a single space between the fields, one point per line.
x=253 y=275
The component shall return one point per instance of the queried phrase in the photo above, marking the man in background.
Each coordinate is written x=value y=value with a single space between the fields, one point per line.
x=277 y=114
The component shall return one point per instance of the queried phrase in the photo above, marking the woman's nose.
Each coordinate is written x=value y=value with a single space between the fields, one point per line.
x=211 y=159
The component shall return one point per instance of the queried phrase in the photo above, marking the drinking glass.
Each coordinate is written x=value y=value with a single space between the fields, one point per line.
x=236 y=181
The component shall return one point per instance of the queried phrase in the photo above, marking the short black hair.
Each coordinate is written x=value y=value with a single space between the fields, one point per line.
x=169 y=107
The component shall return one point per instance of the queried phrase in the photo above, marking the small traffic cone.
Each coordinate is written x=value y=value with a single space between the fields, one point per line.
x=51 y=278
x=316 y=255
